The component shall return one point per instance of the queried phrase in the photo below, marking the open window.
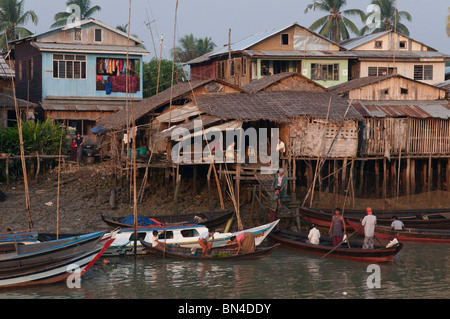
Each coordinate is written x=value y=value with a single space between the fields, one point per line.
x=112 y=75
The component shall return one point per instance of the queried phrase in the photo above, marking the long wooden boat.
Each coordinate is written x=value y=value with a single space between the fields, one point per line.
x=14 y=256
x=22 y=236
x=297 y=242
x=209 y=219
x=179 y=235
x=409 y=234
x=56 y=270
x=220 y=253
x=424 y=219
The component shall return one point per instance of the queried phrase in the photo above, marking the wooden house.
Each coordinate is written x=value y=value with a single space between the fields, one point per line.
x=8 y=117
x=404 y=121
x=390 y=52
x=292 y=48
x=78 y=72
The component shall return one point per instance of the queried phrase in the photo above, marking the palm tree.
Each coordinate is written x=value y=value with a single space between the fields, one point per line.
x=335 y=25
x=389 y=14
x=205 y=45
x=86 y=11
x=12 y=19
x=191 y=47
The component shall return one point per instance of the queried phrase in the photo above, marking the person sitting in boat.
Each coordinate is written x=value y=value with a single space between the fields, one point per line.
x=203 y=241
x=314 y=235
x=155 y=241
x=397 y=224
x=245 y=242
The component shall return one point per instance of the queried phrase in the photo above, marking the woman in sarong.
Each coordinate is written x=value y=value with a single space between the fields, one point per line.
x=245 y=242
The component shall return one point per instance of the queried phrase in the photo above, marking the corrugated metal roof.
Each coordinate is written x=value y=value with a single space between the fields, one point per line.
x=249 y=41
x=5 y=70
x=94 y=48
x=300 y=54
x=356 y=42
x=415 y=109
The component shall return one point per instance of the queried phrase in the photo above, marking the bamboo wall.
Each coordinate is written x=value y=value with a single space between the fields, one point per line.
x=413 y=137
x=315 y=138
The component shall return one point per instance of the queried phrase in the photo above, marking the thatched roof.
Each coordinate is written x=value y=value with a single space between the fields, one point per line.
x=7 y=101
x=276 y=106
x=268 y=81
x=182 y=90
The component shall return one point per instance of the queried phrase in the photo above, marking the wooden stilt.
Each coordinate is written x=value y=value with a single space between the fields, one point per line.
x=208 y=179
x=413 y=176
x=408 y=177
x=430 y=175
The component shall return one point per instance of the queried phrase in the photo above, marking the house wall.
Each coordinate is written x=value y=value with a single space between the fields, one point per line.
x=413 y=137
x=394 y=86
x=28 y=82
x=81 y=87
x=406 y=69
x=87 y=36
x=388 y=41
x=314 y=138
x=343 y=70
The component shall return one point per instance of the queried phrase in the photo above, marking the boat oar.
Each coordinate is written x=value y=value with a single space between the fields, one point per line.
x=341 y=243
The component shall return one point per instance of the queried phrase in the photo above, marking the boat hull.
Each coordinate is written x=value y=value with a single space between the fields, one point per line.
x=220 y=254
x=56 y=271
x=124 y=243
x=297 y=242
x=423 y=219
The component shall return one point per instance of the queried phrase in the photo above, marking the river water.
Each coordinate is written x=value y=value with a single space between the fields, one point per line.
x=418 y=271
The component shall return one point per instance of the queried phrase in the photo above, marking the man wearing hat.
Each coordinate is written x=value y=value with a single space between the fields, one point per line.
x=369 y=222
x=280 y=181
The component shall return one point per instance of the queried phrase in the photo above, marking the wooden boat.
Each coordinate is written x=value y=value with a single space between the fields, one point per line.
x=179 y=235
x=297 y=242
x=220 y=253
x=409 y=234
x=22 y=236
x=14 y=256
x=425 y=219
x=209 y=219
x=55 y=270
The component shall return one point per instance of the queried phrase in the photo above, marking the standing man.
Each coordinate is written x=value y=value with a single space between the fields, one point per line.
x=280 y=181
x=271 y=203
x=80 y=141
x=337 y=227
x=369 y=222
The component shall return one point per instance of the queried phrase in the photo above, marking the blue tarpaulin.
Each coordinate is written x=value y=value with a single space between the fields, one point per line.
x=98 y=130
x=141 y=221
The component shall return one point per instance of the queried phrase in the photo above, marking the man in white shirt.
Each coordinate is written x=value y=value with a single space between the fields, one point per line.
x=203 y=241
x=369 y=222
x=397 y=224
x=314 y=235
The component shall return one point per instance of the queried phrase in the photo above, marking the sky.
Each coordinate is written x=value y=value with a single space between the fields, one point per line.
x=153 y=19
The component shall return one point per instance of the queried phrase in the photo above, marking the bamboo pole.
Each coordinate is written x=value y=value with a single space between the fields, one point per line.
x=22 y=149
x=59 y=179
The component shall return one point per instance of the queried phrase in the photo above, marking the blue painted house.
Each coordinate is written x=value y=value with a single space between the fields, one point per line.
x=78 y=73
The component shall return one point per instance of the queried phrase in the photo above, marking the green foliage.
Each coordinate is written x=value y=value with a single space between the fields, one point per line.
x=42 y=137
x=150 y=76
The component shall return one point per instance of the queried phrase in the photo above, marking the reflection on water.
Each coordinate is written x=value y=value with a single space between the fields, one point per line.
x=419 y=271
